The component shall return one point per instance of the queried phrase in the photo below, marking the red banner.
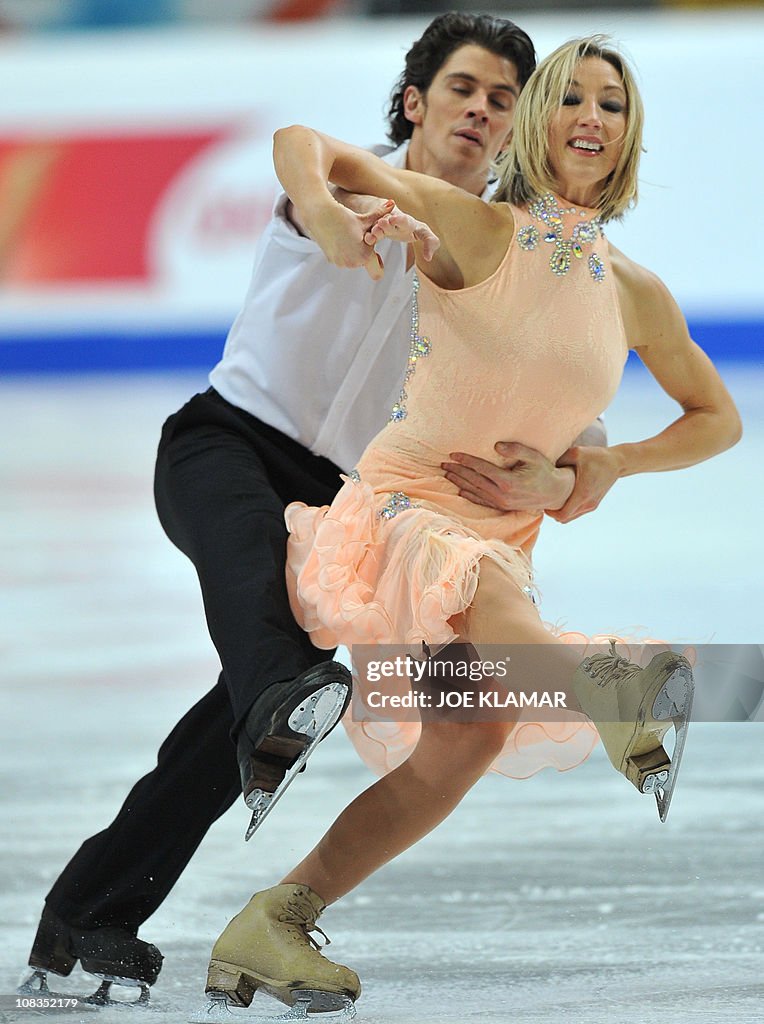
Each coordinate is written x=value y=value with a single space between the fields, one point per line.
x=77 y=209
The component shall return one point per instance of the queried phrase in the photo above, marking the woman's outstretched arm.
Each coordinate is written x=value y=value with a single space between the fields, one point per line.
x=306 y=160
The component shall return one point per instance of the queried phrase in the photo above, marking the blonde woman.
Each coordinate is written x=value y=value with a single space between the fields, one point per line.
x=521 y=326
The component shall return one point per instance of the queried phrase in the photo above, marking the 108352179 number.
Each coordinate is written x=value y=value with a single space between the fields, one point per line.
x=45 y=1002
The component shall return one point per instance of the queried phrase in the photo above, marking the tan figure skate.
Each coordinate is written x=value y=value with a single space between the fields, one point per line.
x=268 y=946
x=633 y=709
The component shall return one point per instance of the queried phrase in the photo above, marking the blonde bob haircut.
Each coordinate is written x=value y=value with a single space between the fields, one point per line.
x=524 y=169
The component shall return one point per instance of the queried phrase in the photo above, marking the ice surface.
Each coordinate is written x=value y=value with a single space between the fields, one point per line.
x=559 y=898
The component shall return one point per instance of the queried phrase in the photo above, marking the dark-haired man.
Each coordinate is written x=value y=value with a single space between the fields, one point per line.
x=311 y=368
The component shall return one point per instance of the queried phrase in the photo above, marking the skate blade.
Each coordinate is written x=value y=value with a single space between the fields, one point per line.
x=102 y=995
x=37 y=985
x=314 y=718
x=673 y=702
x=309 y=1005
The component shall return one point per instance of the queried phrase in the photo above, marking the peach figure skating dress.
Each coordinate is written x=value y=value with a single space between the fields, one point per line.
x=532 y=354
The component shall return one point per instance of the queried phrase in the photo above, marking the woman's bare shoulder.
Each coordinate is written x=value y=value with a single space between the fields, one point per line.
x=649 y=309
x=475 y=235
x=635 y=278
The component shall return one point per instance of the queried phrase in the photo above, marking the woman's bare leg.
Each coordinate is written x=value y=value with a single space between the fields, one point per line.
x=268 y=941
x=633 y=707
x=412 y=800
x=450 y=757
x=503 y=620
x=402 y=807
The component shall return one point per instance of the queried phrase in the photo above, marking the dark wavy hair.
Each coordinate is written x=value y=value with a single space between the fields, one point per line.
x=444 y=35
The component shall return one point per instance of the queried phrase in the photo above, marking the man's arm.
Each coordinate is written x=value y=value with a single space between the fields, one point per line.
x=366 y=206
x=377 y=219
x=369 y=213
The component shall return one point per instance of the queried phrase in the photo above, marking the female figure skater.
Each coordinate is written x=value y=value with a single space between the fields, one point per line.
x=527 y=282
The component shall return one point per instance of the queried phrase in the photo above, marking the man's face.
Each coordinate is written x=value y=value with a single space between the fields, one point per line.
x=465 y=118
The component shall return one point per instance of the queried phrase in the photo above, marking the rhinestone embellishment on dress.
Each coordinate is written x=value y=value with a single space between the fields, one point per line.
x=547 y=210
x=398 y=502
x=419 y=347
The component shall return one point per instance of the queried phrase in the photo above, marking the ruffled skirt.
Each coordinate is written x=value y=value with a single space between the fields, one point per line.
x=364 y=572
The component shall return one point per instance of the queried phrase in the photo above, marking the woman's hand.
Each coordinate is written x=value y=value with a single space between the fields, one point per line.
x=347 y=238
x=403 y=228
x=526 y=481
x=341 y=235
x=596 y=469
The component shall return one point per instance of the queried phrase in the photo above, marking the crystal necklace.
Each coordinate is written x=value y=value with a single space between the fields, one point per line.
x=547 y=210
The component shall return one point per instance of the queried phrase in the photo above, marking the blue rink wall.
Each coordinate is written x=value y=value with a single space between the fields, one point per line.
x=118 y=351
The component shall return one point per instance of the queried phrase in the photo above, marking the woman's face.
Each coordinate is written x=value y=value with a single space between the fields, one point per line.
x=586 y=133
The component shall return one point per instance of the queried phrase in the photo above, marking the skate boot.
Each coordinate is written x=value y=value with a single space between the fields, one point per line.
x=281 y=732
x=112 y=954
x=633 y=709
x=267 y=946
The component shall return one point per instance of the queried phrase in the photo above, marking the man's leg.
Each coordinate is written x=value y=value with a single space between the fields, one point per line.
x=223 y=480
x=217 y=503
x=120 y=876
x=217 y=474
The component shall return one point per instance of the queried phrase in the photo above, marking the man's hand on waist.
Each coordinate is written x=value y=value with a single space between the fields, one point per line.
x=523 y=480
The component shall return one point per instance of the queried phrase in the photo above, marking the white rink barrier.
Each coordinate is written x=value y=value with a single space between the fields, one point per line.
x=139 y=169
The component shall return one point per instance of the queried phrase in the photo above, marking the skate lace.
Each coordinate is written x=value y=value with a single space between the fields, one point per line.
x=303 y=916
x=605 y=669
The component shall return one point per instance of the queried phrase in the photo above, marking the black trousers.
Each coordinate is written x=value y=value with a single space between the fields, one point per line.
x=222 y=481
